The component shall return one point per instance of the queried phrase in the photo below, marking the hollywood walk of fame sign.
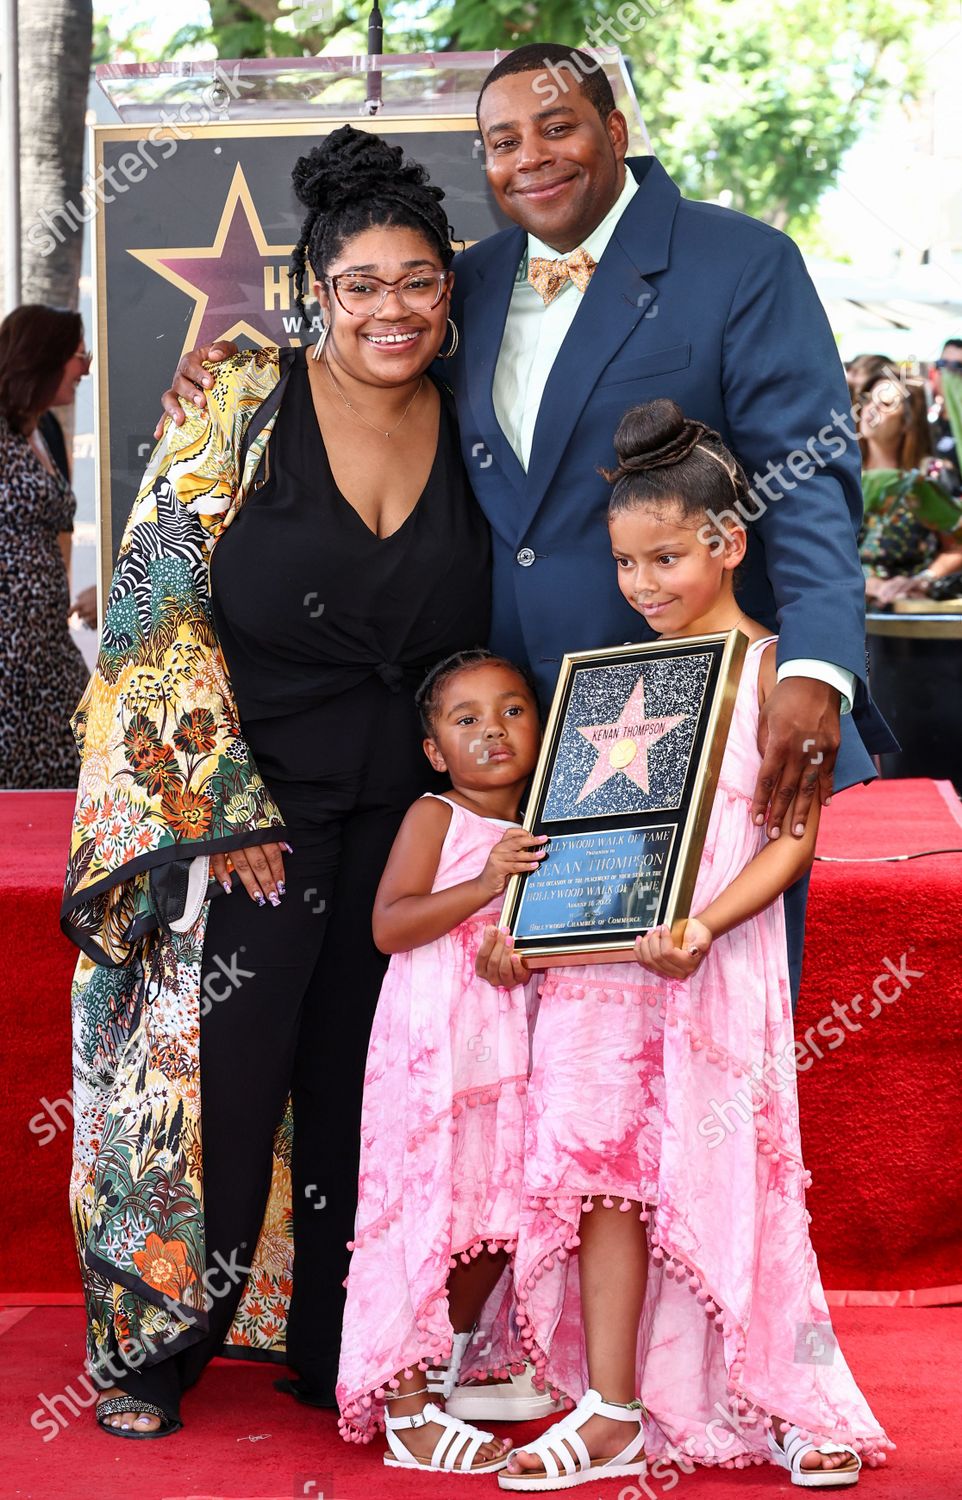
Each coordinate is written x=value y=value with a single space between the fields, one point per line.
x=192 y=242
x=623 y=788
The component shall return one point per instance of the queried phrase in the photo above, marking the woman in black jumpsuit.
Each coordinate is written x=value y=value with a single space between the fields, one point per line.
x=326 y=630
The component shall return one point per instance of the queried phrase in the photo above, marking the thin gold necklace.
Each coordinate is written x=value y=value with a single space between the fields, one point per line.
x=360 y=415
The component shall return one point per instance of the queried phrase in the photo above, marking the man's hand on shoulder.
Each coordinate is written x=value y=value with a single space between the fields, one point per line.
x=191 y=381
x=798 y=739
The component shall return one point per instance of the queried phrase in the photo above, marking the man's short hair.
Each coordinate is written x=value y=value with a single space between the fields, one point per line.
x=561 y=67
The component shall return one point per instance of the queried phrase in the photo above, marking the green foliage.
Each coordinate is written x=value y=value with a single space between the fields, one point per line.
x=755 y=106
x=952 y=396
x=120 y=46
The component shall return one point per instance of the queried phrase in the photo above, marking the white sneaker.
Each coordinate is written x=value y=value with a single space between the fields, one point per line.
x=513 y=1400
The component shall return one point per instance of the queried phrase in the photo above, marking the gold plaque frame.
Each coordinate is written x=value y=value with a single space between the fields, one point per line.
x=687 y=819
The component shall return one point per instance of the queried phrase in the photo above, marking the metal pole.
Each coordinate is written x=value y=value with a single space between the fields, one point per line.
x=375 y=47
x=10 y=53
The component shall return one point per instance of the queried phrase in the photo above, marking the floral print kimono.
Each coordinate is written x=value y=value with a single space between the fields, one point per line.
x=165 y=777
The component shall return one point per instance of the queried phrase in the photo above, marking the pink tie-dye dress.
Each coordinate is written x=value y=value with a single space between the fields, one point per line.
x=642 y=1093
x=442 y=1136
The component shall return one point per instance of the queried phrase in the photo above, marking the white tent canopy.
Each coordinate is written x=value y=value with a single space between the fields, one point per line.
x=907 y=314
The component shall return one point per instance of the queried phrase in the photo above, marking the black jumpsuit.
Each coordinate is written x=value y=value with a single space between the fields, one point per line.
x=326 y=631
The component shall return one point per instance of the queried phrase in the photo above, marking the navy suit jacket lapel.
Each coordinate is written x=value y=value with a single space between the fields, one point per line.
x=484 y=312
x=617 y=299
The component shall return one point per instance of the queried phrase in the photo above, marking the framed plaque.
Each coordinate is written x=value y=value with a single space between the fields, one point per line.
x=623 y=788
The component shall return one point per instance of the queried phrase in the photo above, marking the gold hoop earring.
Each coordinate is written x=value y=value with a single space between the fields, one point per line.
x=318 y=349
x=455 y=340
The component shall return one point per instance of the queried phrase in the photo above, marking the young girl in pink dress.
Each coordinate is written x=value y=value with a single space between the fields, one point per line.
x=664 y=1248
x=442 y=1128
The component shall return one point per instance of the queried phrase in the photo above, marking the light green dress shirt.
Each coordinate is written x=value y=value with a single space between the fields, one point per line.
x=533 y=335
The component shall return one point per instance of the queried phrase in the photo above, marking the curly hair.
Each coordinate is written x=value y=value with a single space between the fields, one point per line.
x=352 y=181
x=427 y=699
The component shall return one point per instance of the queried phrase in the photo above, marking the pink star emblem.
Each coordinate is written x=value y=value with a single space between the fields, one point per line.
x=624 y=745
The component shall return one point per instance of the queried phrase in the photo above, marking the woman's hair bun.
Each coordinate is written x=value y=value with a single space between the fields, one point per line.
x=655 y=435
x=351 y=164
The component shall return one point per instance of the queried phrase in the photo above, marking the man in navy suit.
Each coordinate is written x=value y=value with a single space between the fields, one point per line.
x=686 y=300
x=690 y=301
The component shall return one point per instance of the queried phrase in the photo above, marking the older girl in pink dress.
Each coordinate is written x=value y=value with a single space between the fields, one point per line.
x=664 y=1250
x=442 y=1130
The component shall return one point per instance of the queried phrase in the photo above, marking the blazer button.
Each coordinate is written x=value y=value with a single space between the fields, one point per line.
x=526 y=557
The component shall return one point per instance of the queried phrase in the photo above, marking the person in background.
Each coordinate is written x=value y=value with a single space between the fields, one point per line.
x=910 y=543
x=858 y=370
x=84 y=605
x=42 y=674
x=942 y=437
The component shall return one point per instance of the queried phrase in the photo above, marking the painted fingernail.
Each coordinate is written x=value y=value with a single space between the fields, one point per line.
x=287 y=848
x=828 y=801
x=759 y=819
x=774 y=833
x=227 y=886
x=274 y=899
x=259 y=899
x=281 y=888
x=799 y=828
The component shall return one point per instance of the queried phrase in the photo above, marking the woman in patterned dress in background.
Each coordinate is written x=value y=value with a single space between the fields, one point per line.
x=42 y=674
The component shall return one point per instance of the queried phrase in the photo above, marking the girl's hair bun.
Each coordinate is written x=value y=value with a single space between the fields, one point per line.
x=654 y=435
x=666 y=457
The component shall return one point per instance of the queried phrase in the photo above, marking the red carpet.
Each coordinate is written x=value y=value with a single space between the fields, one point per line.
x=881 y=1126
x=242 y=1441
x=880 y=1109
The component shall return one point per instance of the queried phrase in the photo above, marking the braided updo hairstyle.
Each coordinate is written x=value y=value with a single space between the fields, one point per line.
x=352 y=181
x=428 y=698
x=664 y=455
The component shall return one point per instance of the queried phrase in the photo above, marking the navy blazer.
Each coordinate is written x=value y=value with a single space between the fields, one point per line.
x=717 y=311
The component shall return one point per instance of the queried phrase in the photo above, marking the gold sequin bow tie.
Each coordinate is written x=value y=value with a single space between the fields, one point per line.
x=549 y=277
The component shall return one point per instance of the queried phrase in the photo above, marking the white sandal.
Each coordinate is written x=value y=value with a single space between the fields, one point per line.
x=513 y=1400
x=556 y=1447
x=455 y=1450
x=441 y=1379
x=796 y=1446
